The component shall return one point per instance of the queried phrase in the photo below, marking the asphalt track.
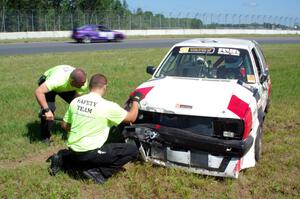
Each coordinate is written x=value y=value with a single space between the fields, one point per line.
x=55 y=47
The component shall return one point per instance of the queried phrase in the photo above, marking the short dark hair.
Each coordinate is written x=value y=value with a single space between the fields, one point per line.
x=78 y=75
x=97 y=80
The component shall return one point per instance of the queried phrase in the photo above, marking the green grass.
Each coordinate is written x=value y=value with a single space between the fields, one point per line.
x=23 y=170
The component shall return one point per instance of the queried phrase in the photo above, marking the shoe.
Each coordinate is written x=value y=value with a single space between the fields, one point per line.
x=55 y=166
x=95 y=175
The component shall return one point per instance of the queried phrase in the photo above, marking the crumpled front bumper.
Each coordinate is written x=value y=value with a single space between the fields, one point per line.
x=182 y=149
x=178 y=138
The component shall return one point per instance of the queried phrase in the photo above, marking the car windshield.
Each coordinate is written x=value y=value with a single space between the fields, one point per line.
x=208 y=62
x=84 y=27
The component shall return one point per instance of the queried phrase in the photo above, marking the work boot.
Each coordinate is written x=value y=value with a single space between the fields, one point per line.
x=56 y=163
x=95 y=175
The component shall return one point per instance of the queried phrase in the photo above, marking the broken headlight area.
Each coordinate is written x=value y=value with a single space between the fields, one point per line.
x=223 y=128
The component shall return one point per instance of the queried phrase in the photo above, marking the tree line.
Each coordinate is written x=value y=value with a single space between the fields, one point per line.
x=37 y=15
x=65 y=5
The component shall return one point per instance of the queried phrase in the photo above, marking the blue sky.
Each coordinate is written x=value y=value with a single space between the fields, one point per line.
x=286 y=8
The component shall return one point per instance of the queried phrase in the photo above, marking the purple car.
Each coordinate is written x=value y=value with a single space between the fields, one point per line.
x=93 y=33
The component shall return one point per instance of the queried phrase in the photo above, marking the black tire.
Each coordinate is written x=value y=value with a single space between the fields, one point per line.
x=258 y=144
x=117 y=39
x=86 y=39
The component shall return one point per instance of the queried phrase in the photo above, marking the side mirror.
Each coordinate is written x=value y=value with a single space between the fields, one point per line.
x=264 y=76
x=150 y=70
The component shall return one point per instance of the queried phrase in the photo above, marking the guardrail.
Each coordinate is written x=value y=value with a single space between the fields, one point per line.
x=58 y=34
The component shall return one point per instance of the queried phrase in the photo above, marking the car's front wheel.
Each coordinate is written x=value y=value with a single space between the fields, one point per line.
x=86 y=39
x=117 y=38
x=258 y=143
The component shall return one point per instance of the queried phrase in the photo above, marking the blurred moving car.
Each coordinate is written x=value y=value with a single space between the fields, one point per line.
x=94 y=33
x=204 y=107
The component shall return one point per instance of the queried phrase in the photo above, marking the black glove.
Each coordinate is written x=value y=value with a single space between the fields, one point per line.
x=137 y=96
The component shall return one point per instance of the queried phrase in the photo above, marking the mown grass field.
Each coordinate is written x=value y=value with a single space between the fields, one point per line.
x=23 y=170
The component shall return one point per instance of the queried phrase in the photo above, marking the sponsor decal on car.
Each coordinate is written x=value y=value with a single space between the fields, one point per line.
x=251 y=78
x=197 y=50
x=184 y=106
x=229 y=51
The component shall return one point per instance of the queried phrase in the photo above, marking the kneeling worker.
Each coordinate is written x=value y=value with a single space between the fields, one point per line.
x=88 y=120
x=62 y=80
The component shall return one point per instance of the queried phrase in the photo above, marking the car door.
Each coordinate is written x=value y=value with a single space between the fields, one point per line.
x=93 y=32
x=262 y=69
x=106 y=34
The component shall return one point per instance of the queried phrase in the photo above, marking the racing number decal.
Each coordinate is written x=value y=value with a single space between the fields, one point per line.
x=229 y=51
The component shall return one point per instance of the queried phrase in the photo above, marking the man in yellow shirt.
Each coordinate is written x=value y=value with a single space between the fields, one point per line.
x=88 y=121
x=63 y=80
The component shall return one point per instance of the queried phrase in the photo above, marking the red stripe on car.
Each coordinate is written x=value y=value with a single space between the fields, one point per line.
x=144 y=91
x=237 y=167
x=241 y=109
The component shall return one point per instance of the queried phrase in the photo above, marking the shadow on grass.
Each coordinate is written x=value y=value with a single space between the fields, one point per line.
x=34 y=135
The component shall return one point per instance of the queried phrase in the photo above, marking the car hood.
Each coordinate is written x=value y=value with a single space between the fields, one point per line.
x=192 y=96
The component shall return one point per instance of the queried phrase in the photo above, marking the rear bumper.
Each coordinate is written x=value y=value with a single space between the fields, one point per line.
x=75 y=36
x=178 y=138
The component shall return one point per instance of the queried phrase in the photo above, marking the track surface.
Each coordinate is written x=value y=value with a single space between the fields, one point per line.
x=53 y=47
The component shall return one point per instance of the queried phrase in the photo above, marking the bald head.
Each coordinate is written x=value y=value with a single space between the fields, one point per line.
x=78 y=78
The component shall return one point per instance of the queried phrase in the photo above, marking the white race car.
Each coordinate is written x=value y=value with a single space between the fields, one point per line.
x=204 y=107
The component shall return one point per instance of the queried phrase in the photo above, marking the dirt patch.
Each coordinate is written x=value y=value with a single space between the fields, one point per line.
x=33 y=159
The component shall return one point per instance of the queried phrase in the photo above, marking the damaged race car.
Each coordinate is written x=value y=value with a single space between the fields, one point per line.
x=204 y=107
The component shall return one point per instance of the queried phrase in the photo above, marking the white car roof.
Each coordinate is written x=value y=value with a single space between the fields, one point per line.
x=218 y=42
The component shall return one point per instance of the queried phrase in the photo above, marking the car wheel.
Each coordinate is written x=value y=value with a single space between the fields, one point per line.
x=258 y=144
x=86 y=39
x=117 y=38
